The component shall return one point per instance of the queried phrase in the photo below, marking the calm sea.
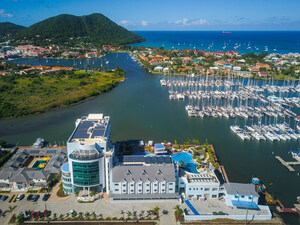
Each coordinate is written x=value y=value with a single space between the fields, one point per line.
x=242 y=41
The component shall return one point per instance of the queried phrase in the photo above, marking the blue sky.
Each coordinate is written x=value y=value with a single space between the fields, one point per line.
x=164 y=14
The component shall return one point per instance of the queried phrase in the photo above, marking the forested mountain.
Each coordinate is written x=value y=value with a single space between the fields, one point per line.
x=9 y=28
x=94 y=28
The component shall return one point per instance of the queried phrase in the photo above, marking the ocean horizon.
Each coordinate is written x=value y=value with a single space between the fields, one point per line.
x=280 y=42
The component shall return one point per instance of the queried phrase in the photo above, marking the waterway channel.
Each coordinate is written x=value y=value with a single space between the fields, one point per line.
x=141 y=110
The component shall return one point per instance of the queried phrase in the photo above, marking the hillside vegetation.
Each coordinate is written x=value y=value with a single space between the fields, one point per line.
x=32 y=94
x=94 y=28
x=9 y=28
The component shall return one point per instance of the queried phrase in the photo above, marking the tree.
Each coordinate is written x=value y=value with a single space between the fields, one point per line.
x=122 y=213
x=2 y=143
x=142 y=213
x=129 y=213
x=156 y=209
x=87 y=214
x=134 y=213
x=11 y=209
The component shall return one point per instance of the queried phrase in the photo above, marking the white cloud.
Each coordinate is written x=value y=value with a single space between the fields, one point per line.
x=3 y=13
x=188 y=22
x=124 y=23
x=144 y=23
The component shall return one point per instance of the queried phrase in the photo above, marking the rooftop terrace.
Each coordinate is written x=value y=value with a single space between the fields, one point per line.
x=90 y=129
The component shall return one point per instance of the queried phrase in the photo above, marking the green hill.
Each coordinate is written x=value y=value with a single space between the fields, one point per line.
x=9 y=28
x=94 y=28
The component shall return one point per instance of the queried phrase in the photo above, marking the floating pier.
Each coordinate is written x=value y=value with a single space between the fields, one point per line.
x=287 y=164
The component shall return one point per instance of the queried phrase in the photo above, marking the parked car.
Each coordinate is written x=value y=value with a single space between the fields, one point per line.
x=29 y=197
x=27 y=214
x=4 y=197
x=20 y=197
x=46 y=197
x=35 y=198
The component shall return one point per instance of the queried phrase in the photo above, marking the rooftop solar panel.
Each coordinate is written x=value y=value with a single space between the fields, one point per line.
x=98 y=133
x=34 y=151
x=51 y=151
x=85 y=124
x=80 y=134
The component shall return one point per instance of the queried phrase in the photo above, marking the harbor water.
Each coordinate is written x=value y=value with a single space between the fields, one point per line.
x=140 y=109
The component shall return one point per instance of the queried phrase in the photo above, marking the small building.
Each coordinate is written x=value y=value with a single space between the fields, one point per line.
x=143 y=177
x=91 y=55
x=199 y=186
x=158 y=68
x=241 y=195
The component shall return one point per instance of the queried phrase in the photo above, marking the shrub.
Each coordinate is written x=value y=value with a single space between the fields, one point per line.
x=32 y=191
x=12 y=197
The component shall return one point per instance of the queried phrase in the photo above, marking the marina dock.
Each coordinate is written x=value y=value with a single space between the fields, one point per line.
x=287 y=164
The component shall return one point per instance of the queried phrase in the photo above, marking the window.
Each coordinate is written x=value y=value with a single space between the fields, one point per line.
x=155 y=184
x=170 y=189
x=155 y=190
x=181 y=182
x=116 y=189
x=140 y=184
x=214 y=189
x=117 y=184
x=147 y=185
x=124 y=191
x=214 y=196
x=163 y=185
x=131 y=185
x=250 y=198
x=243 y=196
x=190 y=189
x=206 y=189
x=131 y=191
x=236 y=196
x=124 y=185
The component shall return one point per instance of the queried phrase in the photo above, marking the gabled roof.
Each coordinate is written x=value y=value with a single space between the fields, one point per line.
x=241 y=189
x=144 y=173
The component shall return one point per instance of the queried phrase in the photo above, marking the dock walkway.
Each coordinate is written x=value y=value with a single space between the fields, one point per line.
x=287 y=164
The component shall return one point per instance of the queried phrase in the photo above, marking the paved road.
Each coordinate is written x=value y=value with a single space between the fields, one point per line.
x=102 y=206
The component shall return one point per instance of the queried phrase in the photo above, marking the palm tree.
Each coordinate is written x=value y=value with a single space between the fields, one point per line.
x=80 y=215
x=67 y=215
x=129 y=213
x=156 y=209
x=122 y=213
x=87 y=214
x=142 y=213
x=11 y=209
x=148 y=212
x=61 y=216
x=94 y=215
x=134 y=213
x=177 y=207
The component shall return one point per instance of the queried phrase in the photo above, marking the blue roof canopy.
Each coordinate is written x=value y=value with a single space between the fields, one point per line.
x=159 y=147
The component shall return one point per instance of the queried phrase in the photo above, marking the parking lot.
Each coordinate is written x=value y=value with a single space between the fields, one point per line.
x=104 y=207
